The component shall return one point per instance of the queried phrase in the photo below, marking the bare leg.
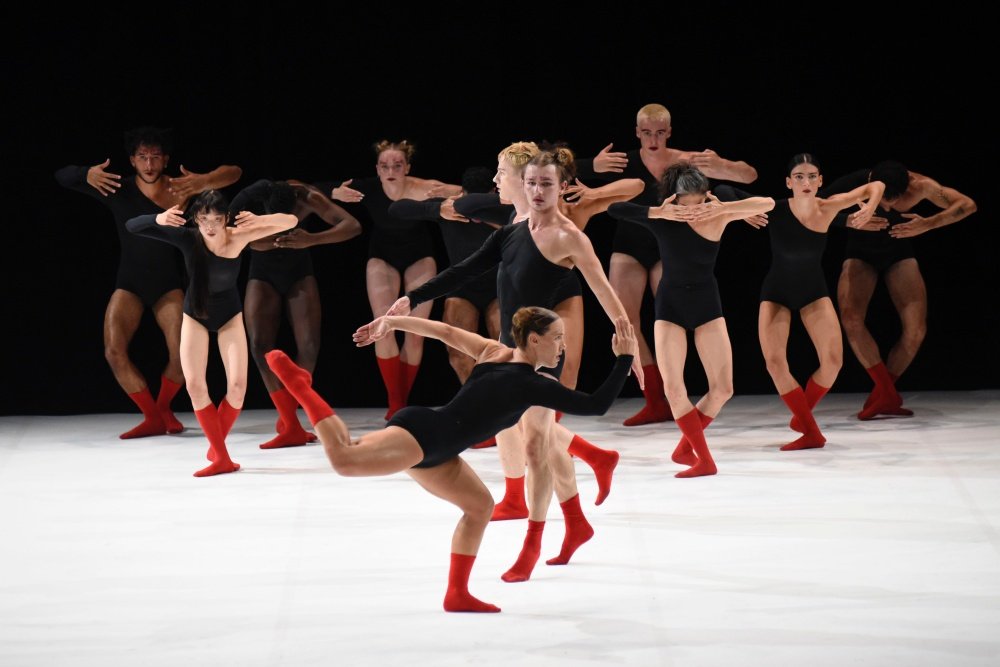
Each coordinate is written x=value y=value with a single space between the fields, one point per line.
x=854 y=293
x=909 y=295
x=232 y=340
x=416 y=275
x=168 y=311
x=262 y=312
x=820 y=321
x=773 y=324
x=383 y=282
x=462 y=314
x=571 y=312
x=121 y=320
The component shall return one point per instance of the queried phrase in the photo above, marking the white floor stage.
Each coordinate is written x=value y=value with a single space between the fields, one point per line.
x=881 y=549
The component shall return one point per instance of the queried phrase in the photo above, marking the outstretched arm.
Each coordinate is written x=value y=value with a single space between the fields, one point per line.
x=470 y=343
x=189 y=184
x=250 y=227
x=713 y=165
x=93 y=181
x=866 y=196
x=585 y=203
x=343 y=225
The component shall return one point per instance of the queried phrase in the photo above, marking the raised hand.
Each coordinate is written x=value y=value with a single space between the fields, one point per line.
x=401 y=307
x=103 y=181
x=187 y=185
x=608 y=162
x=915 y=226
x=576 y=192
x=172 y=217
x=375 y=330
x=295 y=239
x=346 y=194
x=448 y=211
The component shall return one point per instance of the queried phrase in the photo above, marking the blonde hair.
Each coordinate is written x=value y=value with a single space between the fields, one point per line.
x=519 y=153
x=404 y=147
x=653 y=112
x=529 y=320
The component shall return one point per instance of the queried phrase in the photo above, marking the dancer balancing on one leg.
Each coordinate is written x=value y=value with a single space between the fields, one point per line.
x=798 y=229
x=688 y=226
x=426 y=443
x=537 y=257
x=212 y=303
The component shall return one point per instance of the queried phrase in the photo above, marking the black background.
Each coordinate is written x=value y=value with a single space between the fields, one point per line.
x=291 y=92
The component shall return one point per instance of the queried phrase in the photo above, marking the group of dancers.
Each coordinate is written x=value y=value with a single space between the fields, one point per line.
x=515 y=240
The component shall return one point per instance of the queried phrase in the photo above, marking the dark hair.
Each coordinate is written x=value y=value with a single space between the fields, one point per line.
x=895 y=176
x=281 y=197
x=559 y=155
x=529 y=320
x=149 y=136
x=803 y=158
x=478 y=179
x=682 y=178
x=209 y=201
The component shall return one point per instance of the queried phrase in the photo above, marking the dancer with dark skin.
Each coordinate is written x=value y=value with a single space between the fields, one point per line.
x=150 y=275
x=281 y=279
x=212 y=253
x=890 y=256
x=399 y=256
x=635 y=262
x=426 y=443
x=537 y=257
x=688 y=226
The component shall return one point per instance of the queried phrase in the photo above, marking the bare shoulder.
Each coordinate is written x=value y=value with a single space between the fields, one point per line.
x=495 y=352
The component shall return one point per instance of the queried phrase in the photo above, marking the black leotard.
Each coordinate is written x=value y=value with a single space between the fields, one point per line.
x=688 y=294
x=281 y=268
x=223 y=298
x=145 y=268
x=629 y=239
x=399 y=243
x=461 y=239
x=876 y=248
x=493 y=399
x=796 y=276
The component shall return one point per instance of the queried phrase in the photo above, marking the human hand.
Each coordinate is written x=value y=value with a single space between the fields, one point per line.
x=103 y=181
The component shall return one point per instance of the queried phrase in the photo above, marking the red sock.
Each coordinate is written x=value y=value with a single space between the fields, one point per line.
x=513 y=505
x=814 y=394
x=559 y=416
x=656 y=409
x=489 y=442
x=227 y=416
x=684 y=453
x=152 y=424
x=392 y=377
x=458 y=597
x=578 y=530
x=603 y=462
x=690 y=425
x=886 y=400
x=811 y=438
x=291 y=434
x=532 y=548
x=298 y=382
x=168 y=389
x=408 y=374
x=208 y=417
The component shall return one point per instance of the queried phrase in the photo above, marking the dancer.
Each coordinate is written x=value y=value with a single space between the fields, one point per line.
x=150 y=275
x=798 y=228
x=427 y=442
x=281 y=279
x=212 y=303
x=398 y=254
x=538 y=256
x=890 y=255
x=635 y=262
x=687 y=299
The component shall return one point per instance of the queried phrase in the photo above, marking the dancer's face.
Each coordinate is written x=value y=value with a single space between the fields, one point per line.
x=507 y=179
x=392 y=166
x=149 y=162
x=653 y=134
x=690 y=199
x=550 y=345
x=210 y=223
x=542 y=186
x=804 y=180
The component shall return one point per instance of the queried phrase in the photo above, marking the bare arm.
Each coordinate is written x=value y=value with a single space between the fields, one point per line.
x=587 y=202
x=189 y=183
x=955 y=206
x=866 y=196
x=470 y=343
x=250 y=227
x=422 y=188
x=343 y=225
x=715 y=166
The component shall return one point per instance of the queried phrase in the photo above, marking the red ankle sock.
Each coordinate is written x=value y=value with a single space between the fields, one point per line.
x=532 y=548
x=392 y=377
x=458 y=597
x=513 y=505
x=811 y=438
x=885 y=400
x=656 y=409
x=291 y=433
x=578 y=530
x=690 y=425
x=168 y=389
x=684 y=453
x=603 y=462
x=408 y=373
x=208 y=417
x=489 y=442
x=298 y=382
x=814 y=394
x=152 y=424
